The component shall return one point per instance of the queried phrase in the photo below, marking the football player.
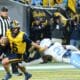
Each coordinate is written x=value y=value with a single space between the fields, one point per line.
x=61 y=53
x=18 y=43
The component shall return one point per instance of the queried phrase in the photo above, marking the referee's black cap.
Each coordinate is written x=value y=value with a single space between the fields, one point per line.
x=4 y=9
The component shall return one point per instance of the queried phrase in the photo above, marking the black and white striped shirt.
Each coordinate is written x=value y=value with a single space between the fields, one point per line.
x=4 y=25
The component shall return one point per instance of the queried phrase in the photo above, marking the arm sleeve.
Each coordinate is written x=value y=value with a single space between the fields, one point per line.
x=73 y=48
x=27 y=39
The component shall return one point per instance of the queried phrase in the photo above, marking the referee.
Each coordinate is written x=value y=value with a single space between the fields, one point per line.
x=4 y=25
x=4 y=21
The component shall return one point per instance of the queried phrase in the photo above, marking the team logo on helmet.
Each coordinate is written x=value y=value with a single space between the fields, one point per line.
x=15 y=24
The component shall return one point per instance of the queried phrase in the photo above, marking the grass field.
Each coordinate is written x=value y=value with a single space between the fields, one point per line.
x=50 y=74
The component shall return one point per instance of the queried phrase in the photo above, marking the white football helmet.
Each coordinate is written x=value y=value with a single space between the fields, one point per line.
x=45 y=42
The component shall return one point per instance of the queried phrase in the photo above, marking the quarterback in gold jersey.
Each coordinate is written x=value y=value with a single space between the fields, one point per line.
x=18 y=44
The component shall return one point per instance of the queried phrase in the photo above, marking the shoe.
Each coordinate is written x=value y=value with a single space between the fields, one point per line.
x=28 y=76
x=7 y=77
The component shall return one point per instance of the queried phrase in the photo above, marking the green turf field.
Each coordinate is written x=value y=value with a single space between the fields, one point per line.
x=66 y=74
x=50 y=74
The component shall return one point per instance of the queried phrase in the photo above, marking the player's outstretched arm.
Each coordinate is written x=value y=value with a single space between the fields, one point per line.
x=41 y=49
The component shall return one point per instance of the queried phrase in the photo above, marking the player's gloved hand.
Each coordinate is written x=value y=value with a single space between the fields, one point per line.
x=4 y=41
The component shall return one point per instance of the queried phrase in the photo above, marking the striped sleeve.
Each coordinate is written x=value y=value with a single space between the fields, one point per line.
x=0 y=28
x=4 y=25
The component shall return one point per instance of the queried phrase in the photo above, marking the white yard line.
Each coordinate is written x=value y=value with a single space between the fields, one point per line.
x=46 y=67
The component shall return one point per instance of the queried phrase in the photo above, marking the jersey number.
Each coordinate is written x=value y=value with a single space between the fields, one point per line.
x=14 y=48
x=57 y=50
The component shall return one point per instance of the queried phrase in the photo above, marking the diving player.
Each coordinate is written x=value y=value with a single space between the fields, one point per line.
x=62 y=53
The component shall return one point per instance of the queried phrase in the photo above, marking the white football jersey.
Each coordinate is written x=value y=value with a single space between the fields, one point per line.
x=56 y=51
